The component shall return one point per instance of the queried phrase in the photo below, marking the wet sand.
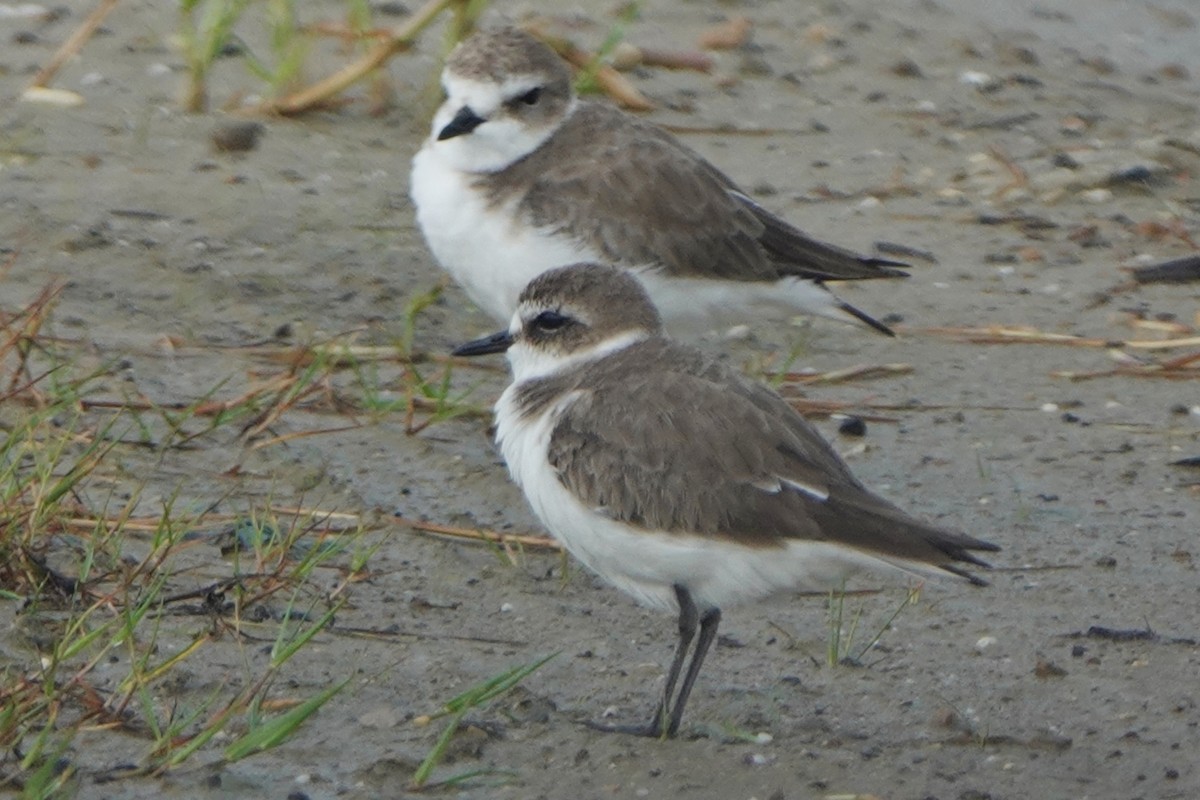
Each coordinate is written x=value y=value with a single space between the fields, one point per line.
x=1032 y=163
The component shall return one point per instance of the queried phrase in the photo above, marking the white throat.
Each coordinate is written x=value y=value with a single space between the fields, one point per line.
x=497 y=143
x=529 y=363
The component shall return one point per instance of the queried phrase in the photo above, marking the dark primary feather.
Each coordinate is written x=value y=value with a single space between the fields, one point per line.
x=644 y=468
x=641 y=197
x=797 y=253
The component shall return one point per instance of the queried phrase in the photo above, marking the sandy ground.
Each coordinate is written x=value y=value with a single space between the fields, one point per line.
x=1032 y=161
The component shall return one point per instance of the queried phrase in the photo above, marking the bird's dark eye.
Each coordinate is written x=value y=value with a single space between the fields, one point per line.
x=550 y=321
x=531 y=97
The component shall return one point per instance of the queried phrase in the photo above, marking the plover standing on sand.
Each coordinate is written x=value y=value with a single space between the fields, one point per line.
x=519 y=176
x=676 y=479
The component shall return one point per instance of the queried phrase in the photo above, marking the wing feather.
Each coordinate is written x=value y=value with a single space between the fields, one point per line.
x=643 y=199
x=709 y=453
x=640 y=197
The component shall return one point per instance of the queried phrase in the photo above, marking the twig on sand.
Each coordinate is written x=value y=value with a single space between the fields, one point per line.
x=72 y=45
x=613 y=83
x=627 y=56
x=323 y=91
x=1180 y=368
x=851 y=373
x=1017 y=334
x=481 y=534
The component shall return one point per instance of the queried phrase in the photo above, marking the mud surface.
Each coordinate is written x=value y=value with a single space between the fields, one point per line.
x=1032 y=159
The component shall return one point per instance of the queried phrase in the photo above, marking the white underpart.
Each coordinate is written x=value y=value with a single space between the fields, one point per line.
x=489 y=251
x=500 y=140
x=493 y=253
x=648 y=564
x=529 y=362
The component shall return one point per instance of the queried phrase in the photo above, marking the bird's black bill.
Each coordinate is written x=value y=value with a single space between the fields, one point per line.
x=464 y=121
x=496 y=343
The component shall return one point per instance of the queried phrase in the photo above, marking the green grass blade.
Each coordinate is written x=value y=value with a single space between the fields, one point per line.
x=495 y=686
x=458 y=706
x=282 y=650
x=274 y=732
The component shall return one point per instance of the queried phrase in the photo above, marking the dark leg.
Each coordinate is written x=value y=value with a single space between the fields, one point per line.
x=708 y=632
x=688 y=617
x=664 y=718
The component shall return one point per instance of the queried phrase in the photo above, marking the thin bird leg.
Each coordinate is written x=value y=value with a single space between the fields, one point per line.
x=688 y=617
x=661 y=724
x=708 y=632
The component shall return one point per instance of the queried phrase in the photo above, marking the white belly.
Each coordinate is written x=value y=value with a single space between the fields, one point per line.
x=490 y=253
x=716 y=572
x=493 y=254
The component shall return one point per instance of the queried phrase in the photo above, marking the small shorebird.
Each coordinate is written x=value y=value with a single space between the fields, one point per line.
x=519 y=176
x=676 y=479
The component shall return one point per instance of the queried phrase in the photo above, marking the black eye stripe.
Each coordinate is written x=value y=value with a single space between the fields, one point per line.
x=550 y=321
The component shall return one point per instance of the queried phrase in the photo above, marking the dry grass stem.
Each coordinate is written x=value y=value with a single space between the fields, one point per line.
x=1185 y=367
x=322 y=92
x=1017 y=334
x=627 y=56
x=610 y=81
x=852 y=373
x=482 y=535
x=72 y=45
x=20 y=332
x=1019 y=178
x=728 y=35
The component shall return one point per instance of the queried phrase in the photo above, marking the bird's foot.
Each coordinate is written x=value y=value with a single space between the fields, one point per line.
x=652 y=730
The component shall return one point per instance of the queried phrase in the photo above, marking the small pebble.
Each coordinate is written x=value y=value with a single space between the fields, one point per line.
x=907 y=68
x=1048 y=669
x=853 y=426
x=236 y=137
x=738 y=333
x=1096 y=196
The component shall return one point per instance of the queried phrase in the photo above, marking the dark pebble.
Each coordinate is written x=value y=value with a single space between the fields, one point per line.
x=1065 y=161
x=907 y=68
x=236 y=137
x=853 y=426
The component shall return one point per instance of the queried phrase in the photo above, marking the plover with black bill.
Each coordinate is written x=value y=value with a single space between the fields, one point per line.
x=675 y=478
x=519 y=176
